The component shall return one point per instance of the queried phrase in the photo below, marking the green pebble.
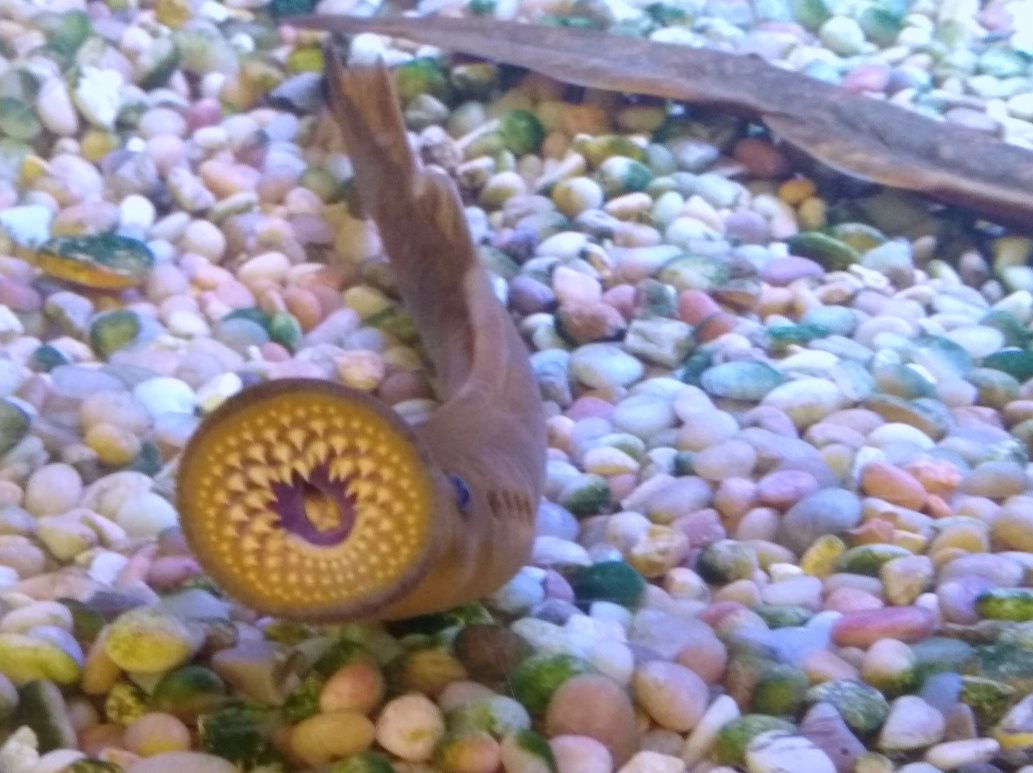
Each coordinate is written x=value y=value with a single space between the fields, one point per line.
x=280 y=8
x=778 y=616
x=862 y=707
x=780 y=691
x=158 y=63
x=17 y=120
x=619 y=174
x=14 y=425
x=285 y=330
x=833 y=254
x=868 y=559
x=613 y=581
x=114 y=330
x=746 y=381
x=239 y=734
x=589 y=495
x=1017 y=363
x=1006 y=604
x=880 y=26
x=535 y=680
x=46 y=358
x=732 y=740
x=69 y=33
x=780 y=337
x=124 y=703
x=521 y=132
x=91 y=765
x=811 y=14
x=498 y=715
x=988 y=698
x=421 y=76
x=726 y=561
x=42 y=707
x=938 y=654
x=1015 y=334
x=189 y=692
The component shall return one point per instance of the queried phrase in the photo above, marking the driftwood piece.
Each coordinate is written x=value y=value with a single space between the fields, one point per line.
x=852 y=134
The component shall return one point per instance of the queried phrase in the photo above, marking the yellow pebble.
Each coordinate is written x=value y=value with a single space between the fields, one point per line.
x=33 y=167
x=324 y=738
x=430 y=671
x=365 y=301
x=944 y=556
x=811 y=214
x=173 y=13
x=819 y=560
x=96 y=144
x=114 y=446
x=964 y=536
x=794 y=192
x=909 y=540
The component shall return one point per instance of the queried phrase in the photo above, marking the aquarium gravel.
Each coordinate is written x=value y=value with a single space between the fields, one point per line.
x=788 y=521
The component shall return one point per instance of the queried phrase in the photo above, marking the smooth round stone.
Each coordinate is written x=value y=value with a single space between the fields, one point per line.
x=978 y=340
x=774 y=752
x=996 y=480
x=643 y=415
x=604 y=366
x=747 y=381
x=806 y=400
x=707 y=429
x=828 y=511
x=729 y=459
x=889 y=482
x=165 y=395
x=865 y=627
x=784 y=488
x=784 y=271
x=24 y=659
x=824 y=726
x=1012 y=528
x=673 y=696
x=148 y=641
x=580 y=754
x=598 y=707
x=146 y=515
x=912 y=724
x=53 y=489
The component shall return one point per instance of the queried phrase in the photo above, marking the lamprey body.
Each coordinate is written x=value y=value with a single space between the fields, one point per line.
x=309 y=500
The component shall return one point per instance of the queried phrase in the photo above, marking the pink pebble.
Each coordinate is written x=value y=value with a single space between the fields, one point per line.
x=19 y=296
x=235 y=294
x=784 y=488
x=869 y=77
x=695 y=305
x=589 y=407
x=622 y=298
x=847 y=600
x=274 y=352
x=622 y=485
x=556 y=586
x=862 y=629
x=204 y=112
x=702 y=527
x=170 y=572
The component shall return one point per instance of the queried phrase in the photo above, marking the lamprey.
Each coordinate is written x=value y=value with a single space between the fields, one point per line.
x=309 y=500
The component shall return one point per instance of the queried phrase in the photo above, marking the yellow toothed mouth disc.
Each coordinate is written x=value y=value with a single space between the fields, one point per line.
x=306 y=499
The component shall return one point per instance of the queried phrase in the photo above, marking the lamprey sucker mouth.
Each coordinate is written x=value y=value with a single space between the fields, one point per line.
x=307 y=499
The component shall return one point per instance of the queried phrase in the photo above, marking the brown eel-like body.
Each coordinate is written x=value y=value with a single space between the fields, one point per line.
x=305 y=499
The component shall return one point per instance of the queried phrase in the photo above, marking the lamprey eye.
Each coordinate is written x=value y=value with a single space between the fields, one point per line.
x=462 y=492
x=305 y=499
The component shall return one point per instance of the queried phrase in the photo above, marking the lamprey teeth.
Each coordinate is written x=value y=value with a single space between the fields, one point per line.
x=306 y=499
